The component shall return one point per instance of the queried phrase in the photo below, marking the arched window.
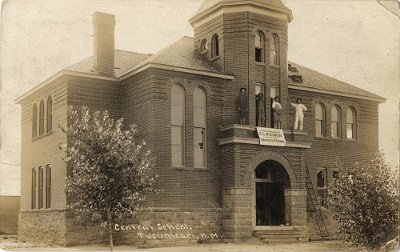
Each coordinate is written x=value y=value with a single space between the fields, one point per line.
x=335 y=122
x=48 y=186
x=274 y=50
x=41 y=117
x=200 y=125
x=203 y=46
x=319 y=120
x=214 y=46
x=34 y=120
x=177 y=125
x=40 y=189
x=351 y=123
x=259 y=47
x=33 y=189
x=49 y=117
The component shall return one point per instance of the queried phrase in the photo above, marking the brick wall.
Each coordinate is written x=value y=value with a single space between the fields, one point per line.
x=146 y=102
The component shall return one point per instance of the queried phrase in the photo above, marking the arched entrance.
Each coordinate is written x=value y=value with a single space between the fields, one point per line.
x=271 y=181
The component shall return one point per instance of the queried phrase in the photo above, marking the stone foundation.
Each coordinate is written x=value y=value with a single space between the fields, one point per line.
x=237 y=213
x=155 y=226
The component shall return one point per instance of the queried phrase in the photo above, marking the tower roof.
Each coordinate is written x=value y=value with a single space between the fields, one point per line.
x=212 y=5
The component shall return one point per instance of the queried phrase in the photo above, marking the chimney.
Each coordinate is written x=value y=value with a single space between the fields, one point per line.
x=103 y=47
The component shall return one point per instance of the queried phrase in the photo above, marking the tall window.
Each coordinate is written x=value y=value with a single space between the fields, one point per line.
x=335 y=122
x=319 y=120
x=40 y=188
x=48 y=186
x=34 y=120
x=214 y=46
x=33 y=189
x=41 y=117
x=322 y=189
x=259 y=47
x=274 y=50
x=351 y=123
x=177 y=125
x=199 y=124
x=49 y=116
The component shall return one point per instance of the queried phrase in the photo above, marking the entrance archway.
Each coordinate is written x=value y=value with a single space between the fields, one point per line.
x=271 y=181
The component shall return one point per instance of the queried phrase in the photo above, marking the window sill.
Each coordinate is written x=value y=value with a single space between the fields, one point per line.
x=274 y=66
x=200 y=169
x=351 y=140
x=41 y=136
x=183 y=168
x=203 y=52
x=260 y=63
x=215 y=58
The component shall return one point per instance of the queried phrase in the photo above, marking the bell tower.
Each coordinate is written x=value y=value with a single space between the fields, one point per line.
x=247 y=38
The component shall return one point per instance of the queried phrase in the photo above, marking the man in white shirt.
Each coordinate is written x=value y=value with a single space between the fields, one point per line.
x=300 y=109
x=276 y=113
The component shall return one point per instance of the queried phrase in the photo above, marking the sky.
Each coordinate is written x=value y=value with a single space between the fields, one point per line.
x=353 y=41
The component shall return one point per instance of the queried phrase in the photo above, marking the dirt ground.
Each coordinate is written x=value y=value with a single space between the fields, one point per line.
x=11 y=243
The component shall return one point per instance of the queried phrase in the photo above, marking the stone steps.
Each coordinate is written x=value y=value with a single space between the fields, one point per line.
x=277 y=236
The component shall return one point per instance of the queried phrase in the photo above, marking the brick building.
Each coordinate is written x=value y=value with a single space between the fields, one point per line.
x=214 y=174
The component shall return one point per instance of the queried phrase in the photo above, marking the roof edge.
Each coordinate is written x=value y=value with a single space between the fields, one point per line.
x=56 y=76
x=219 y=5
x=378 y=99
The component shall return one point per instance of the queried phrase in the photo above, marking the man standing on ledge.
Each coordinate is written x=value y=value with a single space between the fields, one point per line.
x=242 y=105
x=300 y=109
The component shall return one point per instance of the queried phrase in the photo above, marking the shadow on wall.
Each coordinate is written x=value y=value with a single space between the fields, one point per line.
x=9 y=207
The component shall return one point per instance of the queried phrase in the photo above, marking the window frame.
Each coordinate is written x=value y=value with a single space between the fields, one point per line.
x=215 y=46
x=353 y=124
x=34 y=121
x=203 y=128
x=338 y=122
x=49 y=114
x=40 y=187
x=322 y=120
x=33 y=189
x=322 y=192
x=180 y=126
x=259 y=50
x=203 y=46
x=274 y=50
x=48 y=186
x=41 y=118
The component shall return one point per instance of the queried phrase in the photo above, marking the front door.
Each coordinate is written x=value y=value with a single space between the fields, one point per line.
x=271 y=179
x=270 y=204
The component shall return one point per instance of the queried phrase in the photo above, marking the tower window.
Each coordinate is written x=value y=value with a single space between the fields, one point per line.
x=274 y=50
x=203 y=46
x=214 y=46
x=259 y=47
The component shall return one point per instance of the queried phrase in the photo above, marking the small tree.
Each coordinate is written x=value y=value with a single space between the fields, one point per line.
x=365 y=201
x=110 y=171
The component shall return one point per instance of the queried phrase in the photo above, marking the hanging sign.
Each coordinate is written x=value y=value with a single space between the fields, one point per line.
x=269 y=136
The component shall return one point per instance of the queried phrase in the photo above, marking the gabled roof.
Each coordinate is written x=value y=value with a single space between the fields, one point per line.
x=180 y=54
x=124 y=61
x=319 y=82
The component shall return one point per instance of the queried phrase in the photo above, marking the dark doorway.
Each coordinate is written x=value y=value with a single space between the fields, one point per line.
x=271 y=181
